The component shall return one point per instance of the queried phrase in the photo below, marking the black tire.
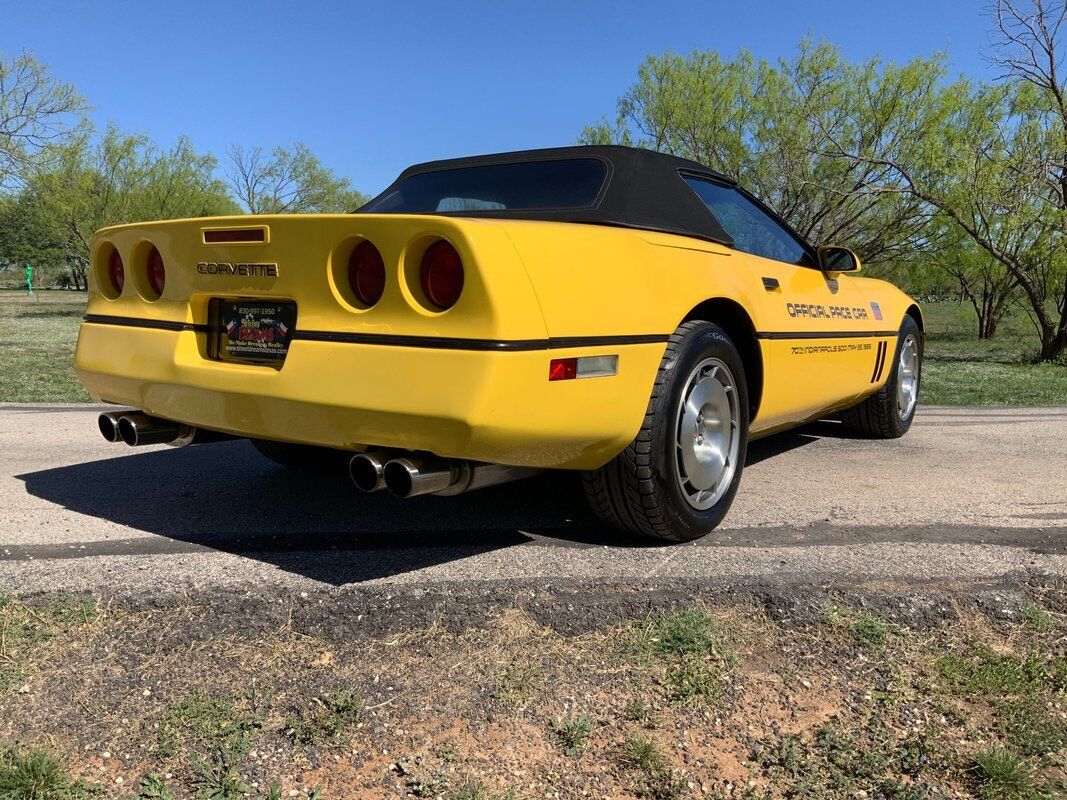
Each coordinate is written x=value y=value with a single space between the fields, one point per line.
x=300 y=456
x=639 y=490
x=877 y=417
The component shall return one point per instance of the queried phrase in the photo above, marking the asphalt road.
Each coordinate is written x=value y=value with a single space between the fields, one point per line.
x=971 y=495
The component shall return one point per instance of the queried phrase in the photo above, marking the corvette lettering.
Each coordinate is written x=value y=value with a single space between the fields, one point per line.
x=244 y=270
x=825 y=312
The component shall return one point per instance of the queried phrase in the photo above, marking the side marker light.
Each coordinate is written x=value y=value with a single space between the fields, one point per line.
x=565 y=369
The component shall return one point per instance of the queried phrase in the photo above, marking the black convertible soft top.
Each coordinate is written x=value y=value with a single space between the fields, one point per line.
x=637 y=188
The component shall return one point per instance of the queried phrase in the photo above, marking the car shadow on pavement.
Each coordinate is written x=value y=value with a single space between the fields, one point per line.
x=226 y=497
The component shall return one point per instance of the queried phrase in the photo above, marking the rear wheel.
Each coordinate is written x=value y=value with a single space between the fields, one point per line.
x=678 y=477
x=299 y=456
x=888 y=413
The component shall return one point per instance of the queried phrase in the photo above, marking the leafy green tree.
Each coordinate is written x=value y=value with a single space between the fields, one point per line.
x=288 y=180
x=979 y=278
x=992 y=159
x=37 y=112
x=119 y=178
x=749 y=119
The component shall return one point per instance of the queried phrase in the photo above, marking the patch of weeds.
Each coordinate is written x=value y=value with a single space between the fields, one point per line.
x=638 y=711
x=24 y=628
x=892 y=685
x=836 y=762
x=466 y=789
x=693 y=646
x=517 y=684
x=988 y=673
x=834 y=615
x=38 y=775
x=1003 y=775
x=1034 y=616
x=692 y=680
x=326 y=717
x=572 y=735
x=871 y=630
x=154 y=787
x=219 y=778
x=203 y=724
x=643 y=754
x=692 y=632
x=473 y=790
x=656 y=780
x=1030 y=727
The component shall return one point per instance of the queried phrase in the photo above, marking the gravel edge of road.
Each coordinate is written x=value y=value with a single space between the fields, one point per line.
x=579 y=607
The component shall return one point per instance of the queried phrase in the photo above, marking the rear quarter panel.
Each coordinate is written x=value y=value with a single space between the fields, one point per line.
x=597 y=280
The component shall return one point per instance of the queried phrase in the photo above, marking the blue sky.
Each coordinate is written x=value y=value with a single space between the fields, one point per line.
x=373 y=87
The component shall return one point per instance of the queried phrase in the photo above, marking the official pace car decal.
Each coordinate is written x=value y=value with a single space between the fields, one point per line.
x=812 y=311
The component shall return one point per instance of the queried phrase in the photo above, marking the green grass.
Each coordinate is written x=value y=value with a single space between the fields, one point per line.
x=38 y=775
x=517 y=684
x=204 y=724
x=38 y=334
x=572 y=735
x=1003 y=775
x=692 y=646
x=37 y=338
x=24 y=629
x=961 y=369
x=326 y=717
x=655 y=778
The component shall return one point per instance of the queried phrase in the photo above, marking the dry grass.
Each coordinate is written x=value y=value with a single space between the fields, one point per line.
x=854 y=704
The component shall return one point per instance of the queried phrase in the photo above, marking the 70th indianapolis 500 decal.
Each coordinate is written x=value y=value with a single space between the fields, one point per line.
x=811 y=349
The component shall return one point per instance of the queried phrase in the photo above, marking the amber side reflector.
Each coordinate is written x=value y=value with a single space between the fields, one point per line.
x=235 y=236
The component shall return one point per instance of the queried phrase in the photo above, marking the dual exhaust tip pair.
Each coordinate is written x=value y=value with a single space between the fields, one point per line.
x=413 y=475
x=136 y=429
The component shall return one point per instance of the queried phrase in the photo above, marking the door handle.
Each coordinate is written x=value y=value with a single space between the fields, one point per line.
x=770 y=284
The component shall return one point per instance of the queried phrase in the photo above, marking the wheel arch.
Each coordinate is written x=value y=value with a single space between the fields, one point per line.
x=732 y=317
x=916 y=314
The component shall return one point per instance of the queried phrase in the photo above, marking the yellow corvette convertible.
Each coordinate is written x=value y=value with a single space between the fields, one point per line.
x=628 y=314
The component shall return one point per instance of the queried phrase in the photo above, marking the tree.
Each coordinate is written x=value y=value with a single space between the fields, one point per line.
x=119 y=178
x=991 y=159
x=981 y=279
x=37 y=112
x=749 y=119
x=288 y=181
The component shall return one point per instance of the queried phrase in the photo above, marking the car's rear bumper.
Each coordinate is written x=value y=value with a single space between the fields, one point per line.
x=488 y=406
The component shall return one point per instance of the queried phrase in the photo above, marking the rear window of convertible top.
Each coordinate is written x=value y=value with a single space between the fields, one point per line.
x=521 y=186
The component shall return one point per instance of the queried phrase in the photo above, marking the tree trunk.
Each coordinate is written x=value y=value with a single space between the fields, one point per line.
x=987 y=324
x=1054 y=341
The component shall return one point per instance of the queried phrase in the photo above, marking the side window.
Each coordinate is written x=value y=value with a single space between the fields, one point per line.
x=753 y=231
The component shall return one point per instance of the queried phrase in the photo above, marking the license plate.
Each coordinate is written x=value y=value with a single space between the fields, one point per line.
x=252 y=330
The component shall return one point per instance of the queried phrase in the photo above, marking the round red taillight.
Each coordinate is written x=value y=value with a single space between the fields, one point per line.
x=366 y=273
x=157 y=273
x=116 y=273
x=442 y=275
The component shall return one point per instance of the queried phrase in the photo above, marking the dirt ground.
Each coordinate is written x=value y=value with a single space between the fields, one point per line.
x=734 y=698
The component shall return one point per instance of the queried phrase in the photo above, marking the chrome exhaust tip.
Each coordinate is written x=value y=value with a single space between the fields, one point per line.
x=108 y=423
x=139 y=429
x=367 y=470
x=410 y=477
